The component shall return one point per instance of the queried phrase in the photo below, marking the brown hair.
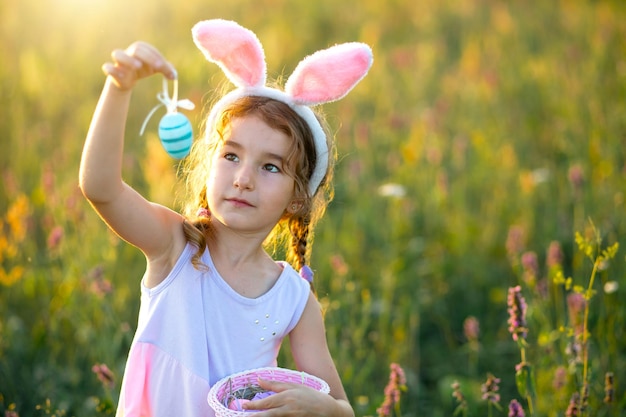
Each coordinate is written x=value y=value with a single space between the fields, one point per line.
x=297 y=228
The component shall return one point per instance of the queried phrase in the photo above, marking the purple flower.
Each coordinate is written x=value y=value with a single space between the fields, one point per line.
x=530 y=265
x=490 y=390
x=575 y=307
x=104 y=374
x=554 y=257
x=55 y=237
x=576 y=177
x=515 y=241
x=396 y=384
x=471 y=328
x=560 y=378
x=572 y=408
x=517 y=313
x=515 y=409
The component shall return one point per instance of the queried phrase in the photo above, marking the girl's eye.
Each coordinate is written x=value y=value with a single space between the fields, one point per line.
x=271 y=168
x=231 y=157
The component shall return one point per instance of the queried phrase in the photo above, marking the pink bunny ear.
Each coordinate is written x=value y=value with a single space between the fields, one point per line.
x=234 y=48
x=330 y=74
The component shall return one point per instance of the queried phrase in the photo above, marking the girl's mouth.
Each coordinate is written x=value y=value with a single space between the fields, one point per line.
x=237 y=202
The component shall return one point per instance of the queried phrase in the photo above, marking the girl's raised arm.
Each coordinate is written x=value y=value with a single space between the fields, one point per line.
x=152 y=228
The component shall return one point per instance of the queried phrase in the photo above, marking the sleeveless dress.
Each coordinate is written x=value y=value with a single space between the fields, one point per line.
x=194 y=329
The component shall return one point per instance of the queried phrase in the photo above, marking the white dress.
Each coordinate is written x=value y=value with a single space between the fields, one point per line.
x=194 y=329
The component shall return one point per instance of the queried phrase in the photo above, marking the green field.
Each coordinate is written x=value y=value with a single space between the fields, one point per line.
x=486 y=149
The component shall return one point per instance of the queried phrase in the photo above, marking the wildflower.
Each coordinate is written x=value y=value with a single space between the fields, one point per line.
x=530 y=265
x=11 y=413
x=392 y=190
x=396 y=384
x=99 y=285
x=540 y=175
x=554 y=256
x=576 y=177
x=17 y=217
x=11 y=276
x=339 y=265
x=515 y=409
x=575 y=307
x=515 y=241
x=471 y=329
x=560 y=378
x=572 y=408
x=609 y=391
x=574 y=350
x=54 y=238
x=517 y=313
x=104 y=374
x=610 y=287
x=460 y=398
x=584 y=399
x=490 y=390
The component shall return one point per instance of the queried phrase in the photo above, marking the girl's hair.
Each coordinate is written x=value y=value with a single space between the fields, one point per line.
x=297 y=228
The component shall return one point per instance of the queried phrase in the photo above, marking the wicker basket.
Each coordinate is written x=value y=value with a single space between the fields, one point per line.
x=220 y=391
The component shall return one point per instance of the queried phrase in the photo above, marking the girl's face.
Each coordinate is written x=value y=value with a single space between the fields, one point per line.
x=248 y=189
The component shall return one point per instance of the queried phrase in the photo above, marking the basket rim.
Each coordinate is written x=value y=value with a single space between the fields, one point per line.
x=221 y=410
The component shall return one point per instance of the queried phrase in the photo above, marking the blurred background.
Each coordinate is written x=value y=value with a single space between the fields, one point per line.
x=486 y=136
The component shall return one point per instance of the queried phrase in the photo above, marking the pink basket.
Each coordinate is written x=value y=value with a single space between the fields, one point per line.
x=219 y=392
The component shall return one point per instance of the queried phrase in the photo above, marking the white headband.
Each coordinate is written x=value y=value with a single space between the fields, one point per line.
x=323 y=77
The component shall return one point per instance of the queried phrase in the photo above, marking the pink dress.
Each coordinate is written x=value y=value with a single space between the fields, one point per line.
x=194 y=329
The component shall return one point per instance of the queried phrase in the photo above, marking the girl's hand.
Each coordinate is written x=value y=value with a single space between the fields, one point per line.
x=293 y=400
x=138 y=61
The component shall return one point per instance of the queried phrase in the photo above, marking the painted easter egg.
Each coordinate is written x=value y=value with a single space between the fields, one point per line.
x=237 y=404
x=176 y=134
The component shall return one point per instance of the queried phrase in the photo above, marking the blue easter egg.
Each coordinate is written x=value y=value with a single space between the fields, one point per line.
x=176 y=134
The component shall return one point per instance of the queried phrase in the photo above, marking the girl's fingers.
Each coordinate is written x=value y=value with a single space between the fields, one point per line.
x=137 y=61
x=150 y=58
x=121 y=58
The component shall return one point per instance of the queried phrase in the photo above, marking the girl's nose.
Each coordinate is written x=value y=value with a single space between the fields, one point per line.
x=244 y=178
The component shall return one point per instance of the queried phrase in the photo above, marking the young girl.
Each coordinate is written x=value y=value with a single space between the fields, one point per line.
x=213 y=302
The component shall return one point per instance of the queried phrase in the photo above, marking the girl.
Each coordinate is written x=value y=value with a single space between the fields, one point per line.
x=213 y=302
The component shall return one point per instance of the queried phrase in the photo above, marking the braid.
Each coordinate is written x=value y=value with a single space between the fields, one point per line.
x=299 y=227
x=196 y=234
x=197 y=231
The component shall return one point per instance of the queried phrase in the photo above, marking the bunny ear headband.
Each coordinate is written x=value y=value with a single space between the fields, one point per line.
x=323 y=77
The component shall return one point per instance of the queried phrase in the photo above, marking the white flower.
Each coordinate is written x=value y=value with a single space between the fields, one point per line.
x=610 y=287
x=392 y=190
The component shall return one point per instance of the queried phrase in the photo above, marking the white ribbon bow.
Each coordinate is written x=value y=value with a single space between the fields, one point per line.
x=171 y=104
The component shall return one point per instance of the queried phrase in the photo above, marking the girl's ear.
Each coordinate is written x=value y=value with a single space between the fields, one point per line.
x=295 y=205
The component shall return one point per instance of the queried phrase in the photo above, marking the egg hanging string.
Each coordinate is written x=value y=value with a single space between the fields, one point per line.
x=175 y=130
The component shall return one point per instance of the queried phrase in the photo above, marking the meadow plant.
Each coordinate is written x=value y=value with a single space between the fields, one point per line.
x=518 y=328
x=462 y=407
x=490 y=393
x=515 y=409
x=480 y=119
x=393 y=392
x=572 y=368
x=577 y=330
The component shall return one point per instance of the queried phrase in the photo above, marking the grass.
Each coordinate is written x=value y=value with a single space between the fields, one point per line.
x=479 y=122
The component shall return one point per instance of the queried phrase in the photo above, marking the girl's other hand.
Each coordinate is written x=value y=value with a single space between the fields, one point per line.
x=138 y=61
x=292 y=400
